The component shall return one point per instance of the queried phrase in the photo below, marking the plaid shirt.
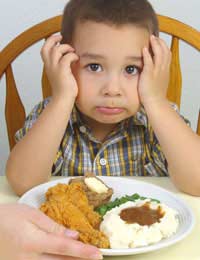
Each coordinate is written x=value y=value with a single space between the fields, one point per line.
x=132 y=149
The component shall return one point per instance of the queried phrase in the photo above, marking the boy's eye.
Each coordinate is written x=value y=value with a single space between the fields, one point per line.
x=131 y=69
x=94 y=67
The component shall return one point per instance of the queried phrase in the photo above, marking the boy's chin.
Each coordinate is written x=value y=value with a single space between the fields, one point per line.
x=110 y=120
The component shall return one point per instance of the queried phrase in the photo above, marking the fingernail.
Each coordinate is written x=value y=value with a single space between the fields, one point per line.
x=71 y=233
x=97 y=256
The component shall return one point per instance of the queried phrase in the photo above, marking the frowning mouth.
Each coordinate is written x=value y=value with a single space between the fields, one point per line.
x=110 y=110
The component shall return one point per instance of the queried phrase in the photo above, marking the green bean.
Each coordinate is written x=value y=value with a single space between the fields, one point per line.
x=103 y=209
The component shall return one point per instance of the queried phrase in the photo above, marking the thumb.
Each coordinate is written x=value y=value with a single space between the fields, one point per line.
x=48 y=225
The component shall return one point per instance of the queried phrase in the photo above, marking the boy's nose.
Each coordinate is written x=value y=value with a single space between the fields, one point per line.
x=112 y=87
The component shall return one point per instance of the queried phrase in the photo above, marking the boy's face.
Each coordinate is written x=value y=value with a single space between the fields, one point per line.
x=108 y=70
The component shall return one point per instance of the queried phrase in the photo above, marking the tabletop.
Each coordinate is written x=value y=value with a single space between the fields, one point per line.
x=188 y=248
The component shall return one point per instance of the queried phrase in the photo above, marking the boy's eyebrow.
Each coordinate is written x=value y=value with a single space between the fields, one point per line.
x=135 y=58
x=91 y=56
x=98 y=56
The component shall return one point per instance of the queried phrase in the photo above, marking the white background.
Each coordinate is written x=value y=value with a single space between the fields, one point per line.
x=17 y=16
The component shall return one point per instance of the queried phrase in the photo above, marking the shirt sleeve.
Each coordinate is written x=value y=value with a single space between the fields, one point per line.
x=175 y=107
x=31 y=119
x=29 y=122
x=156 y=163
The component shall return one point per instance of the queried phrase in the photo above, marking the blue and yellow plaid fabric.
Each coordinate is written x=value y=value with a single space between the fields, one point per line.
x=131 y=150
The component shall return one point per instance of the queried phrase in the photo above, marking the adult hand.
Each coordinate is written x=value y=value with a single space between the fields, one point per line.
x=58 y=59
x=28 y=234
x=154 y=78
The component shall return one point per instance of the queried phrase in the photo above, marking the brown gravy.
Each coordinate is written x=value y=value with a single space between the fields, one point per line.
x=143 y=215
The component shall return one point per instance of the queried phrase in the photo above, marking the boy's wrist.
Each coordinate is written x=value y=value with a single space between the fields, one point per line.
x=157 y=104
x=63 y=103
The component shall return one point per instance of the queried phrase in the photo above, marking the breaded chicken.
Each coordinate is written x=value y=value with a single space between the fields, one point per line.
x=75 y=194
x=68 y=205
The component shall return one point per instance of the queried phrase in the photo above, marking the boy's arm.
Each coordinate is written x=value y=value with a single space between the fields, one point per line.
x=31 y=160
x=180 y=145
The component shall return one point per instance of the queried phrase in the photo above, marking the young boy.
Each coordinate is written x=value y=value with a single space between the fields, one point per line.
x=108 y=113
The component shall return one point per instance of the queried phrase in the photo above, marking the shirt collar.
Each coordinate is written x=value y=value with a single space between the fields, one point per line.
x=140 y=118
x=75 y=116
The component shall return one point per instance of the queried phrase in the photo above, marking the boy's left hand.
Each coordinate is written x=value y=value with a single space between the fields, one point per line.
x=154 y=77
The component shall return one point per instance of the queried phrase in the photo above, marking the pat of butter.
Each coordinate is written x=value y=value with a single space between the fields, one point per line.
x=95 y=185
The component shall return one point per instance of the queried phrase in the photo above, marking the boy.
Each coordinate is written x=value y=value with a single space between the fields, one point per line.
x=108 y=113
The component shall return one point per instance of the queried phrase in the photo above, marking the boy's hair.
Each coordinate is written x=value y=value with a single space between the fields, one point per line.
x=112 y=12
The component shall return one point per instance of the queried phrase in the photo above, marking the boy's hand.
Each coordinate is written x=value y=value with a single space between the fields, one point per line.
x=154 y=78
x=57 y=59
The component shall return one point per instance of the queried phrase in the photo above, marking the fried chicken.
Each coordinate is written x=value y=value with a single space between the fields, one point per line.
x=68 y=205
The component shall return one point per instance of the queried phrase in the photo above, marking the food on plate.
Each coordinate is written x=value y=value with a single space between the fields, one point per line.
x=138 y=223
x=126 y=222
x=68 y=205
x=118 y=201
x=97 y=191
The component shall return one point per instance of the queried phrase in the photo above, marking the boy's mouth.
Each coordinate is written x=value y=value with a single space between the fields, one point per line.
x=110 y=110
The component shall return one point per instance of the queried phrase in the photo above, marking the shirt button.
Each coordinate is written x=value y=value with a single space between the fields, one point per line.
x=82 y=129
x=103 y=161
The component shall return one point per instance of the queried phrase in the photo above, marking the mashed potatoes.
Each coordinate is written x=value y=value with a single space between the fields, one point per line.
x=124 y=233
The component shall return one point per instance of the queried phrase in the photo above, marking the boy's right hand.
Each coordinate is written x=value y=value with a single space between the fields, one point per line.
x=57 y=60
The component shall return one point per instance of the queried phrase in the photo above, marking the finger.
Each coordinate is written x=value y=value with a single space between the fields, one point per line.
x=46 y=224
x=58 y=51
x=147 y=59
x=157 y=51
x=48 y=45
x=52 y=244
x=68 y=59
x=167 y=52
x=58 y=257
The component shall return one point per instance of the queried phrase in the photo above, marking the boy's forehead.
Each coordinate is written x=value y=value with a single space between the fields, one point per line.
x=91 y=34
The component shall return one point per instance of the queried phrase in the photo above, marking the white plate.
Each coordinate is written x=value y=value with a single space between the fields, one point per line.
x=122 y=186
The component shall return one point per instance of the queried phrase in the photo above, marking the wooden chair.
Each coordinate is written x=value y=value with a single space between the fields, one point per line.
x=14 y=109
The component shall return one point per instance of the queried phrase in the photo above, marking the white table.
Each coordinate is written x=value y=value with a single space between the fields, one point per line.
x=187 y=249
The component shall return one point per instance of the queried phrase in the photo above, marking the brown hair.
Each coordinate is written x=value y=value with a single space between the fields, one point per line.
x=114 y=12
